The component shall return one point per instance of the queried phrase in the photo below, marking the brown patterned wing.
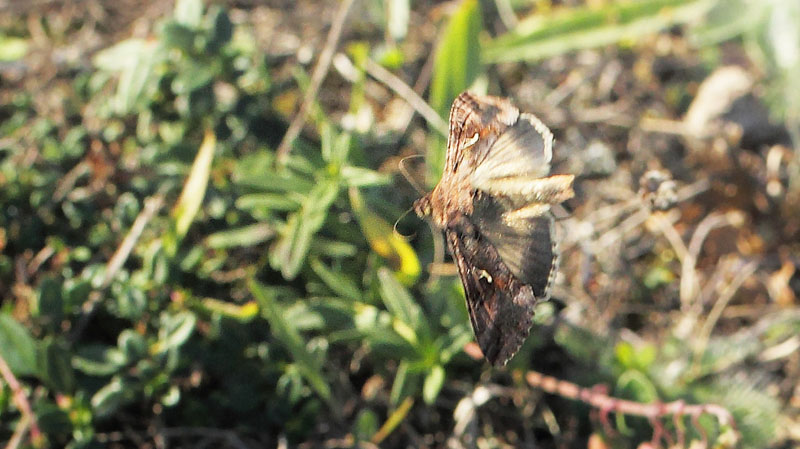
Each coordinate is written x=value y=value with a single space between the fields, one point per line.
x=525 y=244
x=475 y=124
x=500 y=305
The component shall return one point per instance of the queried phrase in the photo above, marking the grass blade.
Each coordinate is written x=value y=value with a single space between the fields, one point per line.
x=543 y=36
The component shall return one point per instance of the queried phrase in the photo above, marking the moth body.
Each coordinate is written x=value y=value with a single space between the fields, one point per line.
x=493 y=202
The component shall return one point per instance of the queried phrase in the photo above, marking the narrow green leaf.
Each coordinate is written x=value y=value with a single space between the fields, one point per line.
x=363 y=177
x=244 y=236
x=543 y=36
x=399 y=386
x=195 y=188
x=267 y=202
x=338 y=282
x=288 y=335
x=457 y=65
x=433 y=384
x=637 y=386
x=400 y=304
x=289 y=253
x=283 y=180
x=458 y=60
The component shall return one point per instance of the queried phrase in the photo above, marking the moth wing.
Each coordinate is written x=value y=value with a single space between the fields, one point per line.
x=524 y=240
x=523 y=149
x=475 y=124
x=500 y=306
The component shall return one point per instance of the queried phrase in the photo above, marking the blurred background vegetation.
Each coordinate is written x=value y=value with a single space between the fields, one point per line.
x=177 y=272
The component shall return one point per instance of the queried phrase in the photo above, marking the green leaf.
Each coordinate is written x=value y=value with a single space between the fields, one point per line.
x=399 y=302
x=282 y=180
x=267 y=202
x=458 y=61
x=111 y=397
x=637 y=386
x=196 y=77
x=289 y=253
x=246 y=236
x=99 y=360
x=49 y=300
x=457 y=65
x=177 y=35
x=728 y=19
x=454 y=342
x=624 y=353
x=132 y=345
x=365 y=425
x=221 y=28
x=433 y=384
x=54 y=365
x=569 y=29
x=363 y=177
x=175 y=330
x=400 y=387
x=17 y=347
x=135 y=60
x=285 y=332
x=338 y=282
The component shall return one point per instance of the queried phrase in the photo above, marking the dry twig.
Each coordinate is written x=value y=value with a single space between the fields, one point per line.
x=151 y=206
x=320 y=70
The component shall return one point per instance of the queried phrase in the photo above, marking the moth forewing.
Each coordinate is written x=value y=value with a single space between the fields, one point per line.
x=524 y=149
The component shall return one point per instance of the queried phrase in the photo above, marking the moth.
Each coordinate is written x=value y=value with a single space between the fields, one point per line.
x=493 y=203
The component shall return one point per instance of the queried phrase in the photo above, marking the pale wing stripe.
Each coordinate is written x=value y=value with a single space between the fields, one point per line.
x=524 y=190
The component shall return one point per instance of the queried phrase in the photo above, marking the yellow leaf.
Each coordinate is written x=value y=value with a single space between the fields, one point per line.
x=385 y=242
x=195 y=188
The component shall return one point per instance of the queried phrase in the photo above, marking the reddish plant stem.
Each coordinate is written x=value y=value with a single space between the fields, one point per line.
x=605 y=403
x=21 y=400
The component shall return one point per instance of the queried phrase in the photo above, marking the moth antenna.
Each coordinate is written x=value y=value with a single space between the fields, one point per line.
x=407 y=238
x=408 y=176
